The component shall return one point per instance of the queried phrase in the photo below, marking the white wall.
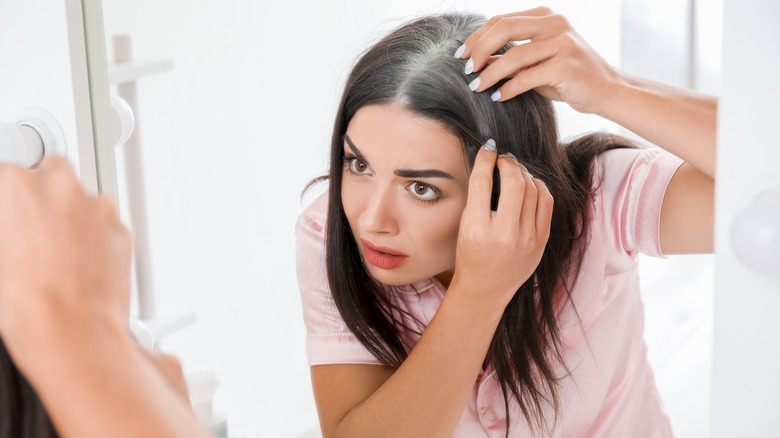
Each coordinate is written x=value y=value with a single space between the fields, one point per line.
x=231 y=136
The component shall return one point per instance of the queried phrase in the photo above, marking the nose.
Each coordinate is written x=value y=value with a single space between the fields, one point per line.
x=379 y=214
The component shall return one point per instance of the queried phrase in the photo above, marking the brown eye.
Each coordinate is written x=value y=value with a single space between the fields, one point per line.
x=359 y=167
x=423 y=191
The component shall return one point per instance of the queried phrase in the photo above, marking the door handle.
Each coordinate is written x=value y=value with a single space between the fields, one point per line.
x=755 y=232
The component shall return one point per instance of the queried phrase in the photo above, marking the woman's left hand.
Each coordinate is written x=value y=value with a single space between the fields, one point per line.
x=556 y=61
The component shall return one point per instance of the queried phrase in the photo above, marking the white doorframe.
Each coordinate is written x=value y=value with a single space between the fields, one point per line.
x=746 y=360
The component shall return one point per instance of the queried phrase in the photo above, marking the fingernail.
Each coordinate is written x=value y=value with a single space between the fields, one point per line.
x=459 y=52
x=496 y=96
x=469 y=66
x=474 y=84
x=509 y=155
x=490 y=145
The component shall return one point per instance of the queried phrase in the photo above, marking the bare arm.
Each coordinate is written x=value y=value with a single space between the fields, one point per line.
x=681 y=121
x=94 y=382
x=64 y=298
x=684 y=123
x=426 y=396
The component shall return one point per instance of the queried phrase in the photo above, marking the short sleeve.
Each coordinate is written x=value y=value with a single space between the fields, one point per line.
x=328 y=340
x=632 y=187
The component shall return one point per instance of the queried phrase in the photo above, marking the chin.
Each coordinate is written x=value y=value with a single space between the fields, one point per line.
x=392 y=277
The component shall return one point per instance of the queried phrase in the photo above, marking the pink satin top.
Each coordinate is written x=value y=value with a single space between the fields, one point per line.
x=611 y=391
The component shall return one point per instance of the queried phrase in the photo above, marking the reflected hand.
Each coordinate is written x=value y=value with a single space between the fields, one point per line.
x=497 y=251
x=556 y=62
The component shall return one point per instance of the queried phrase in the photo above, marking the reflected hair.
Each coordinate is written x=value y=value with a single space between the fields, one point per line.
x=22 y=414
x=414 y=67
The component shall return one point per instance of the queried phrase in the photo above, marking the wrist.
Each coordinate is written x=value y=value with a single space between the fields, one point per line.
x=483 y=304
x=617 y=91
x=57 y=335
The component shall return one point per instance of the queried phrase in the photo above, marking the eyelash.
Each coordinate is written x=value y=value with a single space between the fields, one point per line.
x=349 y=159
x=417 y=198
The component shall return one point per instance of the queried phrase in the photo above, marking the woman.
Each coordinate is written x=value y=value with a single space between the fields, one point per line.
x=467 y=275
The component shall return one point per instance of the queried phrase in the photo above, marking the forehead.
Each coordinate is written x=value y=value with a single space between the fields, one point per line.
x=390 y=132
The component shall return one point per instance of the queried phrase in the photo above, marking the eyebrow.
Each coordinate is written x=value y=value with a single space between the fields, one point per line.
x=403 y=173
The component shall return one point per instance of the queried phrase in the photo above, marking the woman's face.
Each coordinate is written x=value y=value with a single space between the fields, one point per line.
x=404 y=188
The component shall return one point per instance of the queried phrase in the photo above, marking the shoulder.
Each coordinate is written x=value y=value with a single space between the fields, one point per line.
x=616 y=167
x=630 y=185
x=314 y=216
x=310 y=243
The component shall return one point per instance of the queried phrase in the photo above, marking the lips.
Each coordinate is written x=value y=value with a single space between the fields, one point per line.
x=381 y=257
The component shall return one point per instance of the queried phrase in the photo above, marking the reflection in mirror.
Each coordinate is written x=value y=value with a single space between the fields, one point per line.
x=240 y=124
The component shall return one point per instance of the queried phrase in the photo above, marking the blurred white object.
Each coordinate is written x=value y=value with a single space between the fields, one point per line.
x=126 y=119
x=202 y=387
x=755 y=233
x=35 y=133
x=124 y=73
x=141 y=333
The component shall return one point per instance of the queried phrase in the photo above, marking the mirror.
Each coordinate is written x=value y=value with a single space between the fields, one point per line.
x=66 y=79
x=232 y=134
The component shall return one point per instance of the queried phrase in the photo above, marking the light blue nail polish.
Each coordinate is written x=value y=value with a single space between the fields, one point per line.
x=474 y=84
x=469 y=67
x=490 y=145
x=496 y=96
x=510 y=156
x=459 y=52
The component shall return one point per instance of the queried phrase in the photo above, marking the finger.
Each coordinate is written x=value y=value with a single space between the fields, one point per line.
x=514 y=61
x=510 y=201
x=544 y=210
x=474 y=37
x=53 y=163
x=481 y=181
x=493 y=59
x=512 y=29
x=57 y=174
x=528 y=79
x=169 y=367
x=528 y=213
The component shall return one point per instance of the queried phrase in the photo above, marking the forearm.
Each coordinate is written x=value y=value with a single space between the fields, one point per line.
x=427 y=394
x=681 y=121
x=95 y=383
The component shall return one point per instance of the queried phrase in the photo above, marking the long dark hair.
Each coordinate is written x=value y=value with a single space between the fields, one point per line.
x=414 y=66
x=22 y=414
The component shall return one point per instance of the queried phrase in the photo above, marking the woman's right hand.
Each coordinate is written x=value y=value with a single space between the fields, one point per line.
x=497 y=251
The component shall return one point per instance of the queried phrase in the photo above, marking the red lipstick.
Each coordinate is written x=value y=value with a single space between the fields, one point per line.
x=381 y=257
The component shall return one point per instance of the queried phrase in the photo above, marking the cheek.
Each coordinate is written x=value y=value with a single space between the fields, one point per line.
x=352 y=200
x=442 y=237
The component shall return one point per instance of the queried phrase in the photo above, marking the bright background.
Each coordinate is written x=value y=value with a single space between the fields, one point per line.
x=234 y=132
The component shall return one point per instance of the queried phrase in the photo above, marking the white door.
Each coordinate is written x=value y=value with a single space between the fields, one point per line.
x=746 y=358
x=53 y=59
